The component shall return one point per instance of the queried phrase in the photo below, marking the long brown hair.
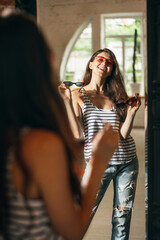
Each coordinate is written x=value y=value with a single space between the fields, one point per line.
x=29 y=95
x=114 y=84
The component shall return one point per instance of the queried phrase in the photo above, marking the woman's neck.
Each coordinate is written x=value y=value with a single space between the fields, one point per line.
x=96 y=85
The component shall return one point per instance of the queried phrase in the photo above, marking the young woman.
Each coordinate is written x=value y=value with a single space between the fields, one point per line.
x=103 y=99
x=40 y=195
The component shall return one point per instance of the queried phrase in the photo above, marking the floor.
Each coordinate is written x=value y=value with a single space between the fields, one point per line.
x=100 y=228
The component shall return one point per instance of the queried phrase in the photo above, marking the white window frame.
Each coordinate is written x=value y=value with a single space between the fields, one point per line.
x=70 y=46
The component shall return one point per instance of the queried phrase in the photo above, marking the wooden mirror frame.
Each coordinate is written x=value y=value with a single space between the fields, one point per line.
x=153 y=62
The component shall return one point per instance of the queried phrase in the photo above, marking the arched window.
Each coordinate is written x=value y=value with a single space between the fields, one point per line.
x=79 y=52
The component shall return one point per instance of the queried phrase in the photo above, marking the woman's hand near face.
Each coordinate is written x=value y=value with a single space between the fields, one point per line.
x=74 y=120
x=64 y=91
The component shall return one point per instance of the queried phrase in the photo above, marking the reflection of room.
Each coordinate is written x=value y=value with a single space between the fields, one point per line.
x=63 y=22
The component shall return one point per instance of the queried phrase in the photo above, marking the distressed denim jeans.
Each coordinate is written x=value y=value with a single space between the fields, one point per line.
x=124 y=178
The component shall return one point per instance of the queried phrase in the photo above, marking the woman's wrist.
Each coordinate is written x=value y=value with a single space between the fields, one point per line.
x=131 y=113
x=67 y=100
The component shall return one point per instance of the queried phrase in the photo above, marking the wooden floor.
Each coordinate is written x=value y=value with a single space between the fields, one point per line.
x=100 y=228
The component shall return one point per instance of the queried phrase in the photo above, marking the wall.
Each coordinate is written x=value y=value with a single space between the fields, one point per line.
x=60 y=19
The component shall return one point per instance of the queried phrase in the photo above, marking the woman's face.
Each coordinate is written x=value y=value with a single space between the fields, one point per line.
x=102 y=65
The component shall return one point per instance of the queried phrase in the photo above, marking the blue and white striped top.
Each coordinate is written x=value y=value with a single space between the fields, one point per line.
x=93 y=120
x=28 y=218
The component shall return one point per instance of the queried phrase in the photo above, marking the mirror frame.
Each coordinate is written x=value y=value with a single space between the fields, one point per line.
x=153 y=61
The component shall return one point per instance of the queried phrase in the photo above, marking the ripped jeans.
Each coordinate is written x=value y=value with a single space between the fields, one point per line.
x=124 y=182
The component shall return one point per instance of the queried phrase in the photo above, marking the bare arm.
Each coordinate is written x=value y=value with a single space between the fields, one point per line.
x=128 y=123
x=48 y=166
x=73 y=111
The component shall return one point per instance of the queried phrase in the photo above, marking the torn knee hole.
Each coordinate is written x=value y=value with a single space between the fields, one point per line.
x=121 y=208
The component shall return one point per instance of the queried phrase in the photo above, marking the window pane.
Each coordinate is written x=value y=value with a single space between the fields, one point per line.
x=122 y=26
x=115 y=44
x=129 y=44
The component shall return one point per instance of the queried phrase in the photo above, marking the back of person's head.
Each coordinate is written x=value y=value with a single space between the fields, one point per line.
x=24 y=69
x=28 y=86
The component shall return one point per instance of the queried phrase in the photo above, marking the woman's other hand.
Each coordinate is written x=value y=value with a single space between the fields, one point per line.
x=133 y=108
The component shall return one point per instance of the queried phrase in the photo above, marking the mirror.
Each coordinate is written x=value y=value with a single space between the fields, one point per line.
x=60 y=20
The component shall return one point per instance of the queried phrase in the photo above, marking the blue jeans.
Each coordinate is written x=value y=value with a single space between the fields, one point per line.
x=124 y=182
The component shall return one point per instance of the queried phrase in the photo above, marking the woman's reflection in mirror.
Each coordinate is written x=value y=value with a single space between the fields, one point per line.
x=97 y=103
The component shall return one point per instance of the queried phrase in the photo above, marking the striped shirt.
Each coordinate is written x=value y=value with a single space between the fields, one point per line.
x=27 y=218
x=93 y=120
